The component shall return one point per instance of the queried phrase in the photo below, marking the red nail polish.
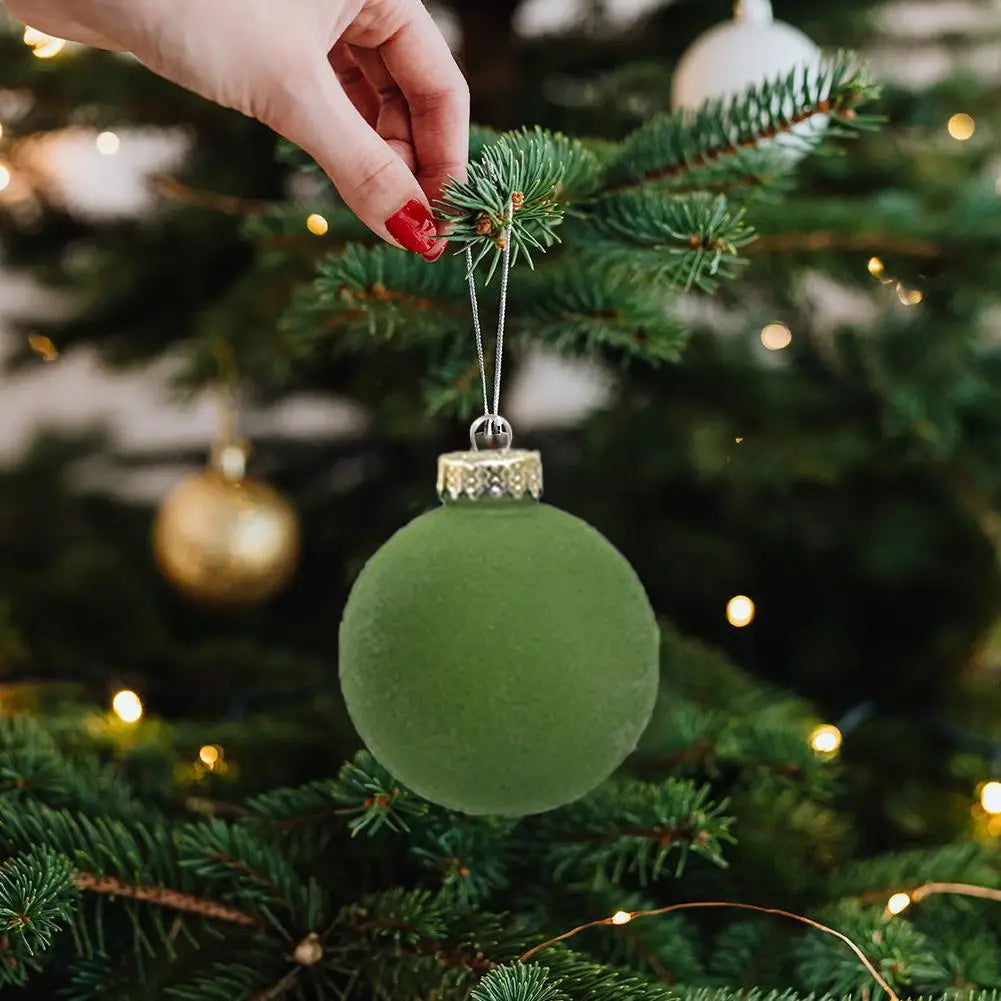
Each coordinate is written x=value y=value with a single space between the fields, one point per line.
x=413 y=227
x=432 y=255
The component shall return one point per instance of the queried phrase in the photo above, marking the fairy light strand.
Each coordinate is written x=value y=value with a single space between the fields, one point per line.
x=617 y=919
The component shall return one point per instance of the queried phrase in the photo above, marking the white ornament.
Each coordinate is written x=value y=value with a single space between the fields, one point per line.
x=749 y=50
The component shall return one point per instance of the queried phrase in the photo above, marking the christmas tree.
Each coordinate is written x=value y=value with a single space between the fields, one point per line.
x=788 y=297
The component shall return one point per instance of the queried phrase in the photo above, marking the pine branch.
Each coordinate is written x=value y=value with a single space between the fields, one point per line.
x=685 y=241
x=368 y=297
x=543 y=172
x=522 y=982
x=583 y=310
x=736 y=139
x=36 y=898
x=635 y=828
x=363 y=791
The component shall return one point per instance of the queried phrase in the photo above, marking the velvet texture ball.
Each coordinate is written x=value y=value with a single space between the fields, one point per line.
x=499 y=657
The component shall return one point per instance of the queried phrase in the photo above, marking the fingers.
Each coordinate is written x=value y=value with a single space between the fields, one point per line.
x=369 y=174
x=360 y=92
x=393 y=119
x=420 y=63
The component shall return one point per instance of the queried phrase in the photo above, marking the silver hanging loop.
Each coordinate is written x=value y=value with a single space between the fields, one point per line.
x=497 y=427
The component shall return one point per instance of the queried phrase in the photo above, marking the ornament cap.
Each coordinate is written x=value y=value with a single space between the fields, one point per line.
x=229 y=459
x=753 y=11
x=511 y=473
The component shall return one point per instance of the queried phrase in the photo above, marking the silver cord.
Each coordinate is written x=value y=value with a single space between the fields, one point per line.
x=494 y=422
x=476 y=328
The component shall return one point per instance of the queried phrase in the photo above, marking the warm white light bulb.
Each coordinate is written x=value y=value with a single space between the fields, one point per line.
x=128 y=706
x=776 y=336
x=107 y=143
x=209 y=755
x=875 y=266
x=898 y=902
x=316 y=224
x=43 y=45
x=621 y=918
x=962 y=127
x=5 y=176
x=740 y=611
x=990 y=797
x=825 y=739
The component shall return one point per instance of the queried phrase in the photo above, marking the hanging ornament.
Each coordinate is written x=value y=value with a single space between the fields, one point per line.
x=748 y=51
x=222 y=537
x=498 y=655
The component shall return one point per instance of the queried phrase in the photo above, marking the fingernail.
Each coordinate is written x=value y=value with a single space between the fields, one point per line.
x=435 y=252
x=413 y=227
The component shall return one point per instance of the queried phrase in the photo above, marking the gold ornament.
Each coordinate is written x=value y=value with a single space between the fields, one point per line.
x=224 y=538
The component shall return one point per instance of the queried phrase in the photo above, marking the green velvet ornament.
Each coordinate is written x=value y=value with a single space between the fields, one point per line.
x=498 y=655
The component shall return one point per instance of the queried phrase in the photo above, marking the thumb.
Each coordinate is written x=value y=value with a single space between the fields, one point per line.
x=371 y=177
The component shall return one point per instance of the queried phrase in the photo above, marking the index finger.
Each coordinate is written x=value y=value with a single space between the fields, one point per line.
x=420 y=61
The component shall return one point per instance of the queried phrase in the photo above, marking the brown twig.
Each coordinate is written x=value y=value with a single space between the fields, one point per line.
x=164 y=897
x=778 y=243
x=692 y=905
x=172 y=188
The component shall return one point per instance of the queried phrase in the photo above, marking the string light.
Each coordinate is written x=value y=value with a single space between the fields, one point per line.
x=316 y=224
x=826 y=739
x=5 y=176
x=776 y=336
x=1 y=130
x=107 y=143
x=962 y=126
x=209 y=755
x=740 y=611
x=738 y=440
x=898 y=903
x=43 y=45
x=875 y=266
x=909 y=296
x=128 y=706
x=990 y=797
x=621 y=918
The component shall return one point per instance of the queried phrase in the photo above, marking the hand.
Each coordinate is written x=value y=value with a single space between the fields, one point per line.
x=367 y=87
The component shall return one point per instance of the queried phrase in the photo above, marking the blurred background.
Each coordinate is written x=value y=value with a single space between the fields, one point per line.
x=827 y=451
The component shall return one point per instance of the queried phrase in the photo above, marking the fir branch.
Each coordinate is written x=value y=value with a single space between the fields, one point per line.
x=241 y=862
x=371 y=296
x=36 y=898
x=583 y=309
x=541 y=171
x=635 y=827
x=686 y=241
x=873 y=880
x=520 y=982
x=363 y=790
x=471 y=855
x=735 y=140
x=164 y=897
